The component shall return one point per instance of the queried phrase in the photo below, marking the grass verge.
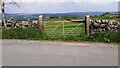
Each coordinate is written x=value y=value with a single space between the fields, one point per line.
x=34 y=34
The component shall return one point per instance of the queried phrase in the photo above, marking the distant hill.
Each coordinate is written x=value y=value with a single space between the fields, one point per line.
x=22 y=16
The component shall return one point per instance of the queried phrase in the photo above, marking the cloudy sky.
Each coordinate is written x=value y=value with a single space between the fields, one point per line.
x=61 y=6
x=63 y=0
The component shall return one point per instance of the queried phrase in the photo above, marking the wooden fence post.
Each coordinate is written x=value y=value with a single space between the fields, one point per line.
x=40 y=23
x=87 y=24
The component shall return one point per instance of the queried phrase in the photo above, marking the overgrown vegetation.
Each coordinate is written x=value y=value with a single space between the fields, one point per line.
x=34 y=34
x=21 y=33
x=106 y=37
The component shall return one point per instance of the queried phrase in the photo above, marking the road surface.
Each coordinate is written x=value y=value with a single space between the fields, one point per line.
x=57 y=53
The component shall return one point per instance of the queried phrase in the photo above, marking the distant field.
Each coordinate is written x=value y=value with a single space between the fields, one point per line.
x=108 y=16
x=59 y=28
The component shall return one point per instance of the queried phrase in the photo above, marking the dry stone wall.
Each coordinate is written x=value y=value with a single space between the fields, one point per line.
x=22 y=24
x=104 y=25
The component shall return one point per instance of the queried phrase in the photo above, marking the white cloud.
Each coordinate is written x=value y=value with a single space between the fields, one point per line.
x=64 y=0
x=40 y=0
x=95 y=0
x=92 y=3
x=62 y=5
x=52 y=7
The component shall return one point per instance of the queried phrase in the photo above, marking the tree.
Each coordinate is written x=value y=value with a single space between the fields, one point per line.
x=3 y=14
x=3 y=11
x=105 y=13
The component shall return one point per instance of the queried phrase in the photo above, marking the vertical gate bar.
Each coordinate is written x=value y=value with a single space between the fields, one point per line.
x=63 y=28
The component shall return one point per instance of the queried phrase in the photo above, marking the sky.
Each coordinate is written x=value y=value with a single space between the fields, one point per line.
x=61 y=6
x=63 y=0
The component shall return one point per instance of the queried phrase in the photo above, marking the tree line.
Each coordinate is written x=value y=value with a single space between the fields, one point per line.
x=62 y=17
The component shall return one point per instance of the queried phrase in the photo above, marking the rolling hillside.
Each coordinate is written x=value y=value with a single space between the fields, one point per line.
x=22 y=16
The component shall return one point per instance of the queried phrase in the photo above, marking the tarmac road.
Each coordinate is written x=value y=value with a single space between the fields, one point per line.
x=58 y=53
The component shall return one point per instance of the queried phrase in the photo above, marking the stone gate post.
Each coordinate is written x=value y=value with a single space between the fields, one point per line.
x=87 y=24
x=40 y=23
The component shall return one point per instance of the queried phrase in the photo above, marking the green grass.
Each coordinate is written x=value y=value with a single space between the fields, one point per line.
x=20 y=33
x=68 y=26
x=106 y=37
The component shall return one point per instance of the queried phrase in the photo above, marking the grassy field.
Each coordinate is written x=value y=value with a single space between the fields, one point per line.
x=58 y=28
